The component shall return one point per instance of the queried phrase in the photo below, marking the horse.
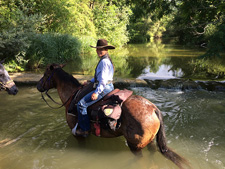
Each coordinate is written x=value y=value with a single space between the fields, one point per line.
x=6 y=83
x=141 y=120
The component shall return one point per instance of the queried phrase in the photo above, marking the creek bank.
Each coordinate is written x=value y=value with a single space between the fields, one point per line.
x=33 y=78
x=186 y=84
x=171 y=84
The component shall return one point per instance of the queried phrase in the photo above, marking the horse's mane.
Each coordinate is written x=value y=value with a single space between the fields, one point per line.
x=66 y=77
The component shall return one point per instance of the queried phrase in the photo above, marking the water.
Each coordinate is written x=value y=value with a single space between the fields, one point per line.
x=156 y=61
x=34 y=136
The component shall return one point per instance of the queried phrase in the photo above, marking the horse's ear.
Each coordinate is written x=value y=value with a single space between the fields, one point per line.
x=51 y=67
x=62 y=65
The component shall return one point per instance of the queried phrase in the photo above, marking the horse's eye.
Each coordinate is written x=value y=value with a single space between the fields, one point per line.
x=1 y=75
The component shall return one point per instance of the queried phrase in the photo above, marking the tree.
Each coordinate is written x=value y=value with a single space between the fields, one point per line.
x=111 y=23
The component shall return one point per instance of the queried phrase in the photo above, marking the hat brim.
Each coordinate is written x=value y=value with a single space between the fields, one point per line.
x=100 y=47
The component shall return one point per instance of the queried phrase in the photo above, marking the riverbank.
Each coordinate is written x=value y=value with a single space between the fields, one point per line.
x=170 y=84
x=33 y=78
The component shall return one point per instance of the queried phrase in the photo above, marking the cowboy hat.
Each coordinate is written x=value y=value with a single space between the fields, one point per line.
x=102 y=43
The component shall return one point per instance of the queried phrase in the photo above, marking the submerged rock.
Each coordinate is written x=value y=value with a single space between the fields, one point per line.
x=186 y=84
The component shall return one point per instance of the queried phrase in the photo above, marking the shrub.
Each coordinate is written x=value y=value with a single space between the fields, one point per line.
x=52 y=47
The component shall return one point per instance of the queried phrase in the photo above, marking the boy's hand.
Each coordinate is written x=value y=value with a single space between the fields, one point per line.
x=94 y=96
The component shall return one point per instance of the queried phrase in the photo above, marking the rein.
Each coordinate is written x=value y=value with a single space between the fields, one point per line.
x=48 y=81
x=61 y=105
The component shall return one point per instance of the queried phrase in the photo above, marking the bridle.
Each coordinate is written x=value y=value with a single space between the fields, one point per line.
x=48 y=80
x=3 y=85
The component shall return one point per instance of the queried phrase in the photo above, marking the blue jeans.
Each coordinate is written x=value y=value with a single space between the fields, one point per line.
x=83 y=119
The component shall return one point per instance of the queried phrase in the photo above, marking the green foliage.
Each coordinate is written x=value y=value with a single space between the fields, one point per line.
x=15 y=30
x=49 y=47
x=216 y=43
x=146 y=23
x=138 y=31
x=86 y=41
x=15 y=65
x=196 y=20
x=79 y=21
x=111 y=23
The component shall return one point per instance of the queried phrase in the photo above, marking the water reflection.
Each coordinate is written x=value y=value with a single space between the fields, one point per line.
x=164 y=72
x=132 y=61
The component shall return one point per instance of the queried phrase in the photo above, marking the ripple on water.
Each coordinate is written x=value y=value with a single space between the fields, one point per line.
x=194 y=123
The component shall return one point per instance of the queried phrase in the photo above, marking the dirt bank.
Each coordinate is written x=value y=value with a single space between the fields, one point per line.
x=33 y=78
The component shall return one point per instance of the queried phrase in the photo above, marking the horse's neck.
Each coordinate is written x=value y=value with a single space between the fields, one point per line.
x=65 y=91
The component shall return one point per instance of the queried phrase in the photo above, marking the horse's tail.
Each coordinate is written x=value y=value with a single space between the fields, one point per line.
x=166 y=151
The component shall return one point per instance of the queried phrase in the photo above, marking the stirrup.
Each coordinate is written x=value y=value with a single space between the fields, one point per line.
x=71 y=114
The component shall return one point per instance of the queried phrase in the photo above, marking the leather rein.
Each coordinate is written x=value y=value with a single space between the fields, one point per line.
x=46 y=92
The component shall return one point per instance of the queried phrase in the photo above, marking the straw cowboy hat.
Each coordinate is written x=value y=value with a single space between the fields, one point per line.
x=102 y=43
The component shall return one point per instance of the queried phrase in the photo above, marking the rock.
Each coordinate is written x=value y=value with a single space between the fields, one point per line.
x=186 y=84
x=174 y=84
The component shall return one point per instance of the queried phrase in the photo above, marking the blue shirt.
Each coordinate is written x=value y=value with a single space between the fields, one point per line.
x=104 y=73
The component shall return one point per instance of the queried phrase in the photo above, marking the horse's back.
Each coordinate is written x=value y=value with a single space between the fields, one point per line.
x=139 y=121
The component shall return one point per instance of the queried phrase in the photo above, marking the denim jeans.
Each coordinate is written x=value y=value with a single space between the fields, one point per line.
x=83 y=119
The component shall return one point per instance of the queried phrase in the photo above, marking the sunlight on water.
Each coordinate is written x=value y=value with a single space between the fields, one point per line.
x=164 y=72
x=34 y=136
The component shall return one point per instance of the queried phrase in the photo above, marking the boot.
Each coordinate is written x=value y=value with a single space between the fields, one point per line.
x=79 y=132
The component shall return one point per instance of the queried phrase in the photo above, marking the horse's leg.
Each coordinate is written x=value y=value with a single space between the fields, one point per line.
x=135 y=150
x=152 y=147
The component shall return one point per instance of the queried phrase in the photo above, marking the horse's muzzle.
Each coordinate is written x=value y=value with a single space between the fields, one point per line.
x=40 y=87
x=12 y=90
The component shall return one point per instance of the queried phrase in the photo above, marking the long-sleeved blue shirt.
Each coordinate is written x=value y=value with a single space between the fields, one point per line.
x=104 y=73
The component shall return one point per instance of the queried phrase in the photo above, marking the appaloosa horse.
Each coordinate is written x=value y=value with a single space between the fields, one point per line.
x=141 y=120
x=5 y=81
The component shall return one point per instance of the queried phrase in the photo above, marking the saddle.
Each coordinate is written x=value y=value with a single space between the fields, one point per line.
x=106 y=112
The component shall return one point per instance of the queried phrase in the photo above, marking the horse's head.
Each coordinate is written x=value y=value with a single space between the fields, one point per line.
x=5 y=81
x=47 y=81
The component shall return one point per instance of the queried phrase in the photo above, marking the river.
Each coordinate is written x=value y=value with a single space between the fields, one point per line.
x=34 y=136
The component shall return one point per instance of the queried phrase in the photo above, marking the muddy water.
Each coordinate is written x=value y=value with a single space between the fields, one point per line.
x=34 y=136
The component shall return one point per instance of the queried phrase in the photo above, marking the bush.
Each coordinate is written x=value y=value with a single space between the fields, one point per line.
x=15 y=30
x=51 y=47
x=216 y=45
x=86 y=41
